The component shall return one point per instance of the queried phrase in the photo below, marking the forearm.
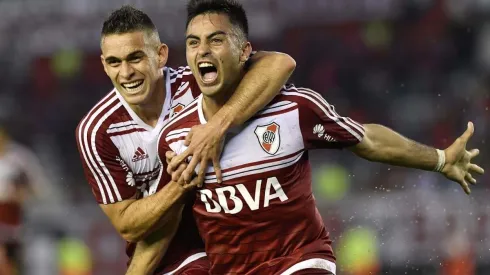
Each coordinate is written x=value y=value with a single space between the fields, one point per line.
x=261 y=83
x=382 y=144
x=144 y=215
x=151 y=250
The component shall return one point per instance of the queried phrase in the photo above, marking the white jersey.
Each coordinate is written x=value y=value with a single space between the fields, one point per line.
x=118 y=150
x=119 y=156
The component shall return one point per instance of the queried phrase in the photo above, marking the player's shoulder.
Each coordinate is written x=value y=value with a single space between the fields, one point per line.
x=96 y=122
x=301 y=97
x=188 y=117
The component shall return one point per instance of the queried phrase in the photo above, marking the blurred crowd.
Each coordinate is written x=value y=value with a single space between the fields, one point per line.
x=423 y=70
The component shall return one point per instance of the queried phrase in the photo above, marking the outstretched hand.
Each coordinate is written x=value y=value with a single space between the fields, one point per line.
x=459 y=167
x=204 y=144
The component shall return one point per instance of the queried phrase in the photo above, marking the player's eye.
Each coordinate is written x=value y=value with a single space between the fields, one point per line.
x=135 y=60
x=192 y=43
x=216 y=41
x=114 y=63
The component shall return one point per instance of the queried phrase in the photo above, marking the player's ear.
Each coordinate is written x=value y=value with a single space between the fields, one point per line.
x=102 y=59
x=246 y=51
x=162 y=55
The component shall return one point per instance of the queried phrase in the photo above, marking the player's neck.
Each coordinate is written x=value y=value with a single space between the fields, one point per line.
x=211 y=105
x=150 y=111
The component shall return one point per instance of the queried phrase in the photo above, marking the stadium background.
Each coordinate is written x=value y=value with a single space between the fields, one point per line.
x=421 y=67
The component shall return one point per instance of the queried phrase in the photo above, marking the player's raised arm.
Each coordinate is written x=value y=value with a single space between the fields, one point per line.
x=323 y=127
x=382 y=144
x=267 y=73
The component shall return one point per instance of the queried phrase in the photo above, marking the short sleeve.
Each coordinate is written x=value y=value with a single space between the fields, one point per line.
x=106 y=172
x=322 y=127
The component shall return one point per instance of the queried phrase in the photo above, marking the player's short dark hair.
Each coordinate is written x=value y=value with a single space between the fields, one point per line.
x=231 y=8
x=127 y=19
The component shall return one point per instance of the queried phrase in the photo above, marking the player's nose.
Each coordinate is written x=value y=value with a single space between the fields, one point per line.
x=126 y=71
x=203 y=50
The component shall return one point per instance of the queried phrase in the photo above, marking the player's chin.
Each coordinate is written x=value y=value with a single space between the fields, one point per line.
x=136 y=99
x=210 y=90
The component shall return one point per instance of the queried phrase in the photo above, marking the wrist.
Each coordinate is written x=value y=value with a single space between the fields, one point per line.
x=441 y=160
x=177 y=191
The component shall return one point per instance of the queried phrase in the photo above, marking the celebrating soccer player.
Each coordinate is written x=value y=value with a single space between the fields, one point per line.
x=117 y=138
x=262 y=218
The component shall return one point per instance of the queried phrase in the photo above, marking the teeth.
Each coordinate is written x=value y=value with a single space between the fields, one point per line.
x=205 y=65
x=132 y=85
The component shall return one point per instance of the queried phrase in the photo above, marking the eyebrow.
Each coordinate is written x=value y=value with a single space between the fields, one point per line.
x=130 y=56
x=192 y=36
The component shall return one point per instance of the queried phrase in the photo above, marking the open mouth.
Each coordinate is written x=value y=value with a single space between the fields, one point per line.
x=133 y=87
x=208 y=72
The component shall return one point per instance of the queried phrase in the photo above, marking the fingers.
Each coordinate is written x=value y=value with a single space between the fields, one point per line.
x=473 y=153
x=468 y=133
x=473 y=168
x=188 y=138
x=176 y=161
x=189 y=171
x=177 y=173
x=202 y=172
x=194 y=183
x=217 y=170
x=191 y=185
x=169 y=155
x=465 y=186
x=469 y=178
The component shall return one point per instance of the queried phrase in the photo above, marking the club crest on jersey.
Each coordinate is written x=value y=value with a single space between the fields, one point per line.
x=177 y=108
x=269 y=138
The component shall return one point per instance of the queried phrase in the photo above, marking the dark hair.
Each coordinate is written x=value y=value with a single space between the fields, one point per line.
x=127 y=19
x=231 y=8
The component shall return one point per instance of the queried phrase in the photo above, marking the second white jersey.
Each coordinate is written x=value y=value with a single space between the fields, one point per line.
x=118 y=149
